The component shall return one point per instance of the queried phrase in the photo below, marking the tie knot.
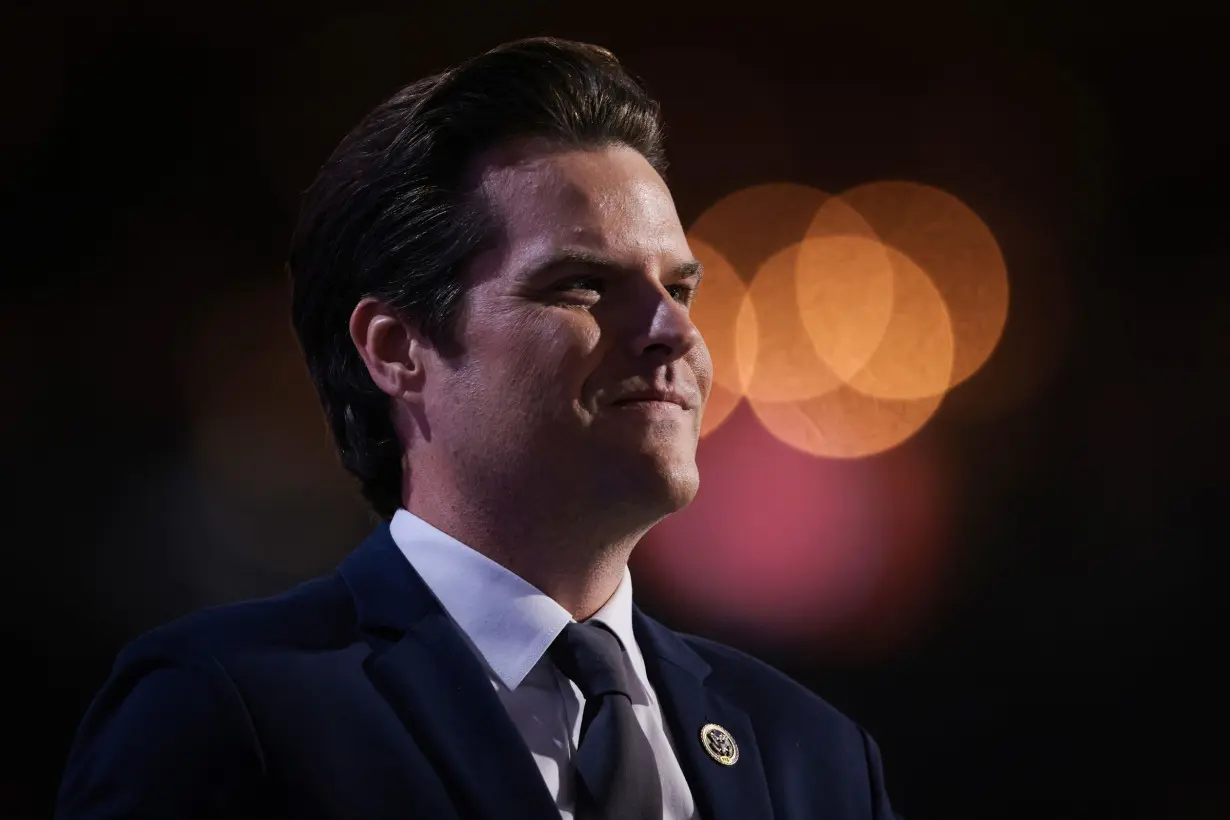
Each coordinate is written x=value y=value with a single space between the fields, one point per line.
x=592 y=657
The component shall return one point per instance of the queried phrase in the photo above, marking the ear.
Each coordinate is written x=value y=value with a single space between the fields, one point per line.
x=392 y=350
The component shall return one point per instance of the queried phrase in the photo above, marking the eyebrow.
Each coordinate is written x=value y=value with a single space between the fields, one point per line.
x=571 y=258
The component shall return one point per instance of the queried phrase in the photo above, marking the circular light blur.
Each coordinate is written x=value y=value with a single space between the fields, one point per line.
x=941 y=235
x=714 y=312
x=797 y=548
x=845 y=281
x=914 y=357
x=752 y=224
x=774 y=540
x=776 y=359
x=856 y=313
x=845 y=423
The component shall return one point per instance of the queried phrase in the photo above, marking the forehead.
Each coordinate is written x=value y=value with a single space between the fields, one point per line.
x=607 y=199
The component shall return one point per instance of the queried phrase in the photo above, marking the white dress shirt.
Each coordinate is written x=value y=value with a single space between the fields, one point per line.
x=510 y=624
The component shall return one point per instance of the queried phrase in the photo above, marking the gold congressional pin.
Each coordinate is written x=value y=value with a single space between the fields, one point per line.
x=719 y=744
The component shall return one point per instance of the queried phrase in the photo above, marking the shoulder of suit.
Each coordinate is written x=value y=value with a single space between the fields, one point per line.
x=315 y=615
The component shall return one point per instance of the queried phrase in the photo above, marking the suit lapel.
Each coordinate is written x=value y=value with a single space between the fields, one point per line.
x=439 y=689
x=678 y=675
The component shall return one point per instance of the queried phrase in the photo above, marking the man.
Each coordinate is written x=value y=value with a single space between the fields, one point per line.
x=491 y=289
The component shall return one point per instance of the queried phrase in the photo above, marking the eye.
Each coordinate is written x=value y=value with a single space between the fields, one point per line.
x=582 y=283
x=580 y=291
x=683 y=294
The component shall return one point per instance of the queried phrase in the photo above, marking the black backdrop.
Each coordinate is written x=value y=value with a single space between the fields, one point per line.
x=161 y=450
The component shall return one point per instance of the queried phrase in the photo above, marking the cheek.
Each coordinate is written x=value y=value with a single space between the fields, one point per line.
x=702 y=366
x=552 y=353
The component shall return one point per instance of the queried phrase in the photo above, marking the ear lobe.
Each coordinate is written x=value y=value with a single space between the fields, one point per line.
x=389 y=347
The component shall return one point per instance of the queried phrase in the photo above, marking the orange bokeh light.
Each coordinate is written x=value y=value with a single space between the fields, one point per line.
x=958 y=252
x=914 y=357
x=898 y=366
x=845 y=320
x=714 y=312
x=776 y=359
x=752 y=224
x=844 y=288
x=845 y=423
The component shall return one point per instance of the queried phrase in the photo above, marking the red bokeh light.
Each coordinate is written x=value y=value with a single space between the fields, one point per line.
x=795 y=548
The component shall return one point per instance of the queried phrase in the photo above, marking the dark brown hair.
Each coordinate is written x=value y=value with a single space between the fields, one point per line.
x=392 y=214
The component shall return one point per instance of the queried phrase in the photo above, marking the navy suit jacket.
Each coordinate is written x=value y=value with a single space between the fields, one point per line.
x=355 y=696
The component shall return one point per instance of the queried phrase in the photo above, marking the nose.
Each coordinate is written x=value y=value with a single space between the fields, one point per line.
x=667 y=333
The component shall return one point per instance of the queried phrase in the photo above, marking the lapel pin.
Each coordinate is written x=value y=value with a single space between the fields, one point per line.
x=719 y=744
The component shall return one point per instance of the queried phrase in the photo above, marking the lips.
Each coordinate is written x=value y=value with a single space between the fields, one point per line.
x=666 y=396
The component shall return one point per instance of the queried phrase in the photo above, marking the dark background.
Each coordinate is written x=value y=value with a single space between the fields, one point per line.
x=162 y=449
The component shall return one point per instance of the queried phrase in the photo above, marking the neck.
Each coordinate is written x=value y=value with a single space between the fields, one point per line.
x=576 y=557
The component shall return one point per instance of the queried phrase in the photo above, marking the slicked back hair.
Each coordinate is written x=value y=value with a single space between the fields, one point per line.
x=393 y=214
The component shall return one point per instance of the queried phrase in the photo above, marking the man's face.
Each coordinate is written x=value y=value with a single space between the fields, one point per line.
x=580 y=306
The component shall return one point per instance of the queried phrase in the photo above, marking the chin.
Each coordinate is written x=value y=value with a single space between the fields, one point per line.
x=662 y=487
x=656 y=478
x=684 y=483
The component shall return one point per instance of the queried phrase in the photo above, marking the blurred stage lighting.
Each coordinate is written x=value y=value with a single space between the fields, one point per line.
x=837 y=325
x=844 y=320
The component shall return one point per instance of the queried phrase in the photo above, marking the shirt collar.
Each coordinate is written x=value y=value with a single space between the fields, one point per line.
x=508 y=620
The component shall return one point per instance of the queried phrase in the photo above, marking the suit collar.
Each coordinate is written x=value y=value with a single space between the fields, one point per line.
x=388 y=594
x=455 y=717
x=437 y=686
x=509 y=622
x=668 y=646
x=690 y=702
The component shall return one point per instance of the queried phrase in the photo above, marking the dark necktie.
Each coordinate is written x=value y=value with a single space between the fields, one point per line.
x=617 y=776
